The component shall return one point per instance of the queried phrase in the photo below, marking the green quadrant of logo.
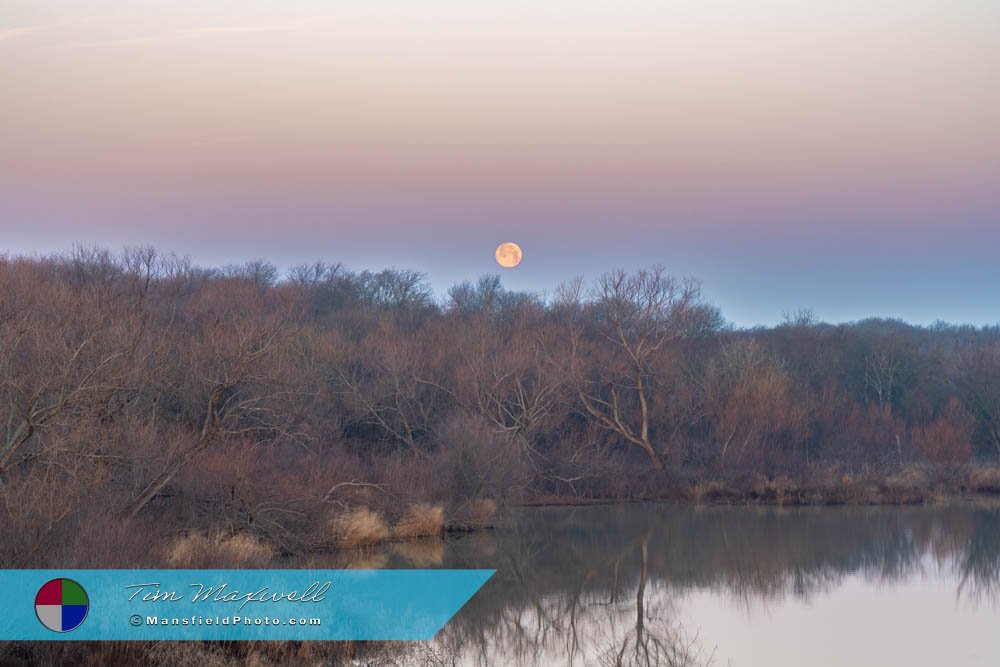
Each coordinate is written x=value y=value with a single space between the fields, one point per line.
x=72 y=593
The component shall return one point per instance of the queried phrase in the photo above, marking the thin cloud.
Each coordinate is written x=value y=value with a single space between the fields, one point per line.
x=197 y=33
x=221 y=29
x=125 y=42
x=14 y=33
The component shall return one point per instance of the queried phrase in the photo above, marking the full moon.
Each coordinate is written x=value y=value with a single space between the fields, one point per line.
x=509 y=255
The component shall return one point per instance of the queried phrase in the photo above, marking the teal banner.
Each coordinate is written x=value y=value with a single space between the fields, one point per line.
x=159 y=605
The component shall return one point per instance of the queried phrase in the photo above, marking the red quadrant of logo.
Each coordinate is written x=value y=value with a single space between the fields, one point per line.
x=50 y=593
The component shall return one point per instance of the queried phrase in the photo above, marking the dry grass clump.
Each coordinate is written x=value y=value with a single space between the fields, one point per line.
x=357 y=528
x=247 y=550
x=911 y=477
x=909 y=485
x=188 y=550
x=855 y=489
x=706 y=491
x=424 y=520
x=773 y=486
x=984 y=479
x=198 y=550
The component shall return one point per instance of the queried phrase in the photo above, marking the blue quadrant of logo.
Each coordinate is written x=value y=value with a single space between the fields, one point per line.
x=73 y=615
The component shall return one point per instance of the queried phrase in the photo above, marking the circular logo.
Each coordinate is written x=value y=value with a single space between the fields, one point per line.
x=61 y=605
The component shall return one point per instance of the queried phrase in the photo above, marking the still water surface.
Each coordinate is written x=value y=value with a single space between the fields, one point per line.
x=669 y=585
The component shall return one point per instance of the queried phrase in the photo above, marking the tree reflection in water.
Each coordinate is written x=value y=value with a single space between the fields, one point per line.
x=600 y=585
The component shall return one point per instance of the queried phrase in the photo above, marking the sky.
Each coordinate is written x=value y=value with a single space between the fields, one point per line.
x=839 y=155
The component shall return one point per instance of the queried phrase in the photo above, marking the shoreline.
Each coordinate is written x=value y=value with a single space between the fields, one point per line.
x=570 y=501
x=824 y=487
x=829 y=487
x=814 y=497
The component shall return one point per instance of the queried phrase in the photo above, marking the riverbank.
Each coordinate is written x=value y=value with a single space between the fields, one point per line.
x=358 y=530
x=816 y=487
x=826 y=486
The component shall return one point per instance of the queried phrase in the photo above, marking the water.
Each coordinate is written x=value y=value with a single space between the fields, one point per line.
x=669 y=585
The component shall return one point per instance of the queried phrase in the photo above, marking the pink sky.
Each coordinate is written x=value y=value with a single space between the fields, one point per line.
x=727 y=139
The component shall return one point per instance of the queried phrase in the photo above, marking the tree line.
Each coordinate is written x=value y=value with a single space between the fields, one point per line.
x=139 y=385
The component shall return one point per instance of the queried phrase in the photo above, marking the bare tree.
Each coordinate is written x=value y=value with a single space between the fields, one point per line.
x=392 y=380
x=631 y=320
x=977 y=378
x=509 y=373
x=748 y=398
x=232 y=382
x=74 y=347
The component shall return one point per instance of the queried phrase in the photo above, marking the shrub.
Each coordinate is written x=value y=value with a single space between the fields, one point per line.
x=706 y=491
x=358 y=527
x=948 y=439
x=985 y=479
